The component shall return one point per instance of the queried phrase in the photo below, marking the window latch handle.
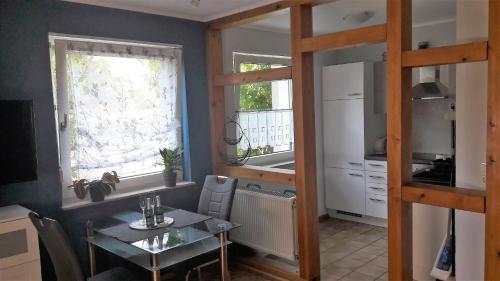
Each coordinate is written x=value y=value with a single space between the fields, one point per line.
x=64 y=124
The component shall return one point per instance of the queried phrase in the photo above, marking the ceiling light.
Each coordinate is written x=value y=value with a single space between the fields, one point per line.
x=357 y=18
x=194 y=3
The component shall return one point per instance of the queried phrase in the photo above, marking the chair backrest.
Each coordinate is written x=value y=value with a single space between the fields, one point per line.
x=57 y=244
x=216 y=197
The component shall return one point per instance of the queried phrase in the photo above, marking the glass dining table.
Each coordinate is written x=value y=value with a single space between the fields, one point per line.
x=190 y=235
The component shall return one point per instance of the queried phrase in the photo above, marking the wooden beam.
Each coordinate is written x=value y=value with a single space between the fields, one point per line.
x=254 y=76
x=492 y=252
x=446 y=55
x=443 y=196
x=258 y=13
x=249 y=15
x=278 y=176
x=266 y=270
x=305 y=144
x=215 y=93
x=399 y=139
x=349 y=38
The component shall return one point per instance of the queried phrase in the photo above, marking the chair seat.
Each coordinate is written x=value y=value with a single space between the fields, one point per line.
x=117 y=274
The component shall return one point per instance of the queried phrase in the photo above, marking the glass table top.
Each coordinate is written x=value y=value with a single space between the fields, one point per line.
x=162 y=240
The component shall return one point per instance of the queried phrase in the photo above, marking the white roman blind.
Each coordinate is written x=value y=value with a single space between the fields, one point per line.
x=117 y=105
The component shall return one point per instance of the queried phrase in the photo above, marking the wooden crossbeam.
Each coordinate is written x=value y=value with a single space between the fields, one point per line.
x=349 y=38
x=254 y=76
x=258 y=13
x=249 y=15
x=285 y=177
x=447 y=197
x=446 y=55
x=263 y=268
x=492 y=231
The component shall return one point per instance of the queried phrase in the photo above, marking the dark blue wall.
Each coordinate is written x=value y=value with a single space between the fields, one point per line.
x=25 y=74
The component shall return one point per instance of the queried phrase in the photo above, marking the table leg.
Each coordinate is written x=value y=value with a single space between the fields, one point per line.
x=224 y=270
x=155 y=267
x=90 y=235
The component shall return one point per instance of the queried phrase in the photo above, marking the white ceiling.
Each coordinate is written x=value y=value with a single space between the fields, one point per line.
x=207 y=9
x=327 y=17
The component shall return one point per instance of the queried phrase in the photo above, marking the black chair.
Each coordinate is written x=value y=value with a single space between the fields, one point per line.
x=216 y=200
x=64 y=258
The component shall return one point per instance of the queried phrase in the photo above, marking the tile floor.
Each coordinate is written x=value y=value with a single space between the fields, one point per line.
x=349 y=251
x=352 y=251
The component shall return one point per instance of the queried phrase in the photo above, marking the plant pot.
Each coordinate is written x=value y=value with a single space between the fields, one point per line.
x=96 y=192
x=170 y=178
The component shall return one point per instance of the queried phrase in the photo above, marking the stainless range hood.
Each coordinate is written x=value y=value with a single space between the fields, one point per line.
x=429 y=85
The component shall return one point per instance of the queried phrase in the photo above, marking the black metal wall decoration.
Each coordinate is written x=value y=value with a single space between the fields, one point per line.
x=234 y=159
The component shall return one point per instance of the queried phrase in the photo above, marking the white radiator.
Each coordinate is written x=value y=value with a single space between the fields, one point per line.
x=268 y=222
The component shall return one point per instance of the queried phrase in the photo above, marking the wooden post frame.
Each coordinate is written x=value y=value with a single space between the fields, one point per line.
x=492 y=239
x=215 y=92
x=399 y=142
x=305 y=143
x=302 y=75
x=402 y=193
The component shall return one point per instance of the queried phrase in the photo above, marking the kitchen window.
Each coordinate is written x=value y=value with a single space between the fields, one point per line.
x=264 y=109
x=117 y=104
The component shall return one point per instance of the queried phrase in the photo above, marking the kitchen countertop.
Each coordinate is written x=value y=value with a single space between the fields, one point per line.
x=418 y=158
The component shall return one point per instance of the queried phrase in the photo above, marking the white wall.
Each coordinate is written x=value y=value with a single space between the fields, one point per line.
x=472 y=25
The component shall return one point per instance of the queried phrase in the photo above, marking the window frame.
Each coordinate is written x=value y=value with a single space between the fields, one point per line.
x=61 y=107
x=233 y=102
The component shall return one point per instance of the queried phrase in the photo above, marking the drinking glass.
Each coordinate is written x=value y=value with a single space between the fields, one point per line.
x=142 y=204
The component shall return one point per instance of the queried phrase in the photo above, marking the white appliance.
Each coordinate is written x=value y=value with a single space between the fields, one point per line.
x=268 y=222
x=19 y=252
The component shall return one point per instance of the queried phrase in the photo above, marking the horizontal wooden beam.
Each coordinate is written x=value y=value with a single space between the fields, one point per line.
x=254 y=76
x=449 y=197
x=264 y=269
x=271 y=175
x=258 y=13
x=446 y=55
x=349 y=38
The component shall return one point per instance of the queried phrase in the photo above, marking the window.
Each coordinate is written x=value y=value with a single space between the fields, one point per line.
x=117 y=104
x=265 y=109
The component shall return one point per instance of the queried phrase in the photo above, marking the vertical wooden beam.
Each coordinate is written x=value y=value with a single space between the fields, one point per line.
x=305 y=143
x=215 y=93
x=399 y=132
x=492 y=248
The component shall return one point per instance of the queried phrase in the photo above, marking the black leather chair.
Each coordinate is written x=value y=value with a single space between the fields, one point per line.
x=64 y=258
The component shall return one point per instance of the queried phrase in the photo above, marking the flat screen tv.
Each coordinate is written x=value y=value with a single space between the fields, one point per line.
x=18 y=161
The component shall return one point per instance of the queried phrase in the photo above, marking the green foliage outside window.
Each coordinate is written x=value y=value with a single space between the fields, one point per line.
x=255 y=96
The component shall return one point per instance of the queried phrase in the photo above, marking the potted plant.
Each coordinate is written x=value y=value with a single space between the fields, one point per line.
x=98 y=189
x=172 y=161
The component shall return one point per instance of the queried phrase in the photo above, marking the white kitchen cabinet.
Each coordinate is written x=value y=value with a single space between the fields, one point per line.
x=345 y=190
x=343 y=131
x=376 y=205
x=350 y=128
x=347 y=81
x=376 y=188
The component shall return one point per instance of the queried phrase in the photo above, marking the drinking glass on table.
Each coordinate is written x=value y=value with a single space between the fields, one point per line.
x=142 y=204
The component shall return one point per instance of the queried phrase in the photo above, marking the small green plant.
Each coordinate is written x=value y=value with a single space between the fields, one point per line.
x=171 y=159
